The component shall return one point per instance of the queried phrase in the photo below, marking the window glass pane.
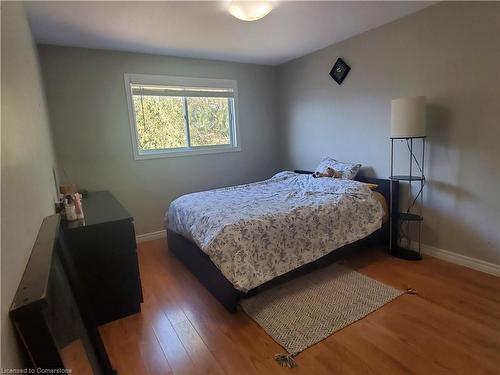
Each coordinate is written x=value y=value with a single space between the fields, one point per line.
x=160 y=122
x=209 y=121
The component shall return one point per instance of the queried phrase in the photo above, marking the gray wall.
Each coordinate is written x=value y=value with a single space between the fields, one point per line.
x=88 y=109
x=28 y=189
x=449 y=53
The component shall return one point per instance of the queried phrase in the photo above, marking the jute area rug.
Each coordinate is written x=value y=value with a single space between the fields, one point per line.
x=306 y=310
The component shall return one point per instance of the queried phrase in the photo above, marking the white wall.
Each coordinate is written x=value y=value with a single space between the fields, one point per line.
x=88 y=109
x=448 y=52
x=28 y=188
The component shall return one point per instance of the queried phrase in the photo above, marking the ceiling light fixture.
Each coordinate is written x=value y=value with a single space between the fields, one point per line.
x=250 y=10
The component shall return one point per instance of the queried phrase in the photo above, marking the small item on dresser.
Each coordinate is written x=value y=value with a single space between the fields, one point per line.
x=78 y=206
x=59 y=205
x=69 y=208
x=66 y=189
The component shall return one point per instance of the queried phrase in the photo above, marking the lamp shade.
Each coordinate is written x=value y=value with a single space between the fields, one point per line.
x=408 y=117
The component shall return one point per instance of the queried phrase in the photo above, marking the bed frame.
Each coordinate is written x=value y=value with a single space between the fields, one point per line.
x=211 y=277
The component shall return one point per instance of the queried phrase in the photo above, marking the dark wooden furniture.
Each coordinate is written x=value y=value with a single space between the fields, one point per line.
x=212 y=278
x=51 y=313
x=104 y=251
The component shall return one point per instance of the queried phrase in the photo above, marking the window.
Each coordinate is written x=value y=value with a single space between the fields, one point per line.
x=172 y=116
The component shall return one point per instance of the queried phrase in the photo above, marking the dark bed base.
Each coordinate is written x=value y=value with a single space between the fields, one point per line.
x=210 y=276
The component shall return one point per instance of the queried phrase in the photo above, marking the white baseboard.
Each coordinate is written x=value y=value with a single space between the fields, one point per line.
x=151 y=236
x=462 y=260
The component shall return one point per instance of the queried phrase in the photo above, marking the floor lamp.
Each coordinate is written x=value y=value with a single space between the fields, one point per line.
x=408 y=126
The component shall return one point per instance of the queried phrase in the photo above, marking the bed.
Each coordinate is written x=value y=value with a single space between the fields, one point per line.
x=242 y=239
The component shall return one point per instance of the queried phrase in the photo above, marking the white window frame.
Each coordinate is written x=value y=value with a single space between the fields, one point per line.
x=149 y=79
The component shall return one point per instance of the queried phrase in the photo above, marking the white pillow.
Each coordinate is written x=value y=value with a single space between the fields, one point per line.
x=347 y=170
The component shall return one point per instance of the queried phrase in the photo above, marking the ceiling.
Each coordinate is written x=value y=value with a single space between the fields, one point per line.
x=204 y=29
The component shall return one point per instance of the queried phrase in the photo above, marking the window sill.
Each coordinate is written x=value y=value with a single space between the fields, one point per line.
x=184 y=152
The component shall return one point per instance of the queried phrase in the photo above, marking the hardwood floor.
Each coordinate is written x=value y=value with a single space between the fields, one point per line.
x=451 y=327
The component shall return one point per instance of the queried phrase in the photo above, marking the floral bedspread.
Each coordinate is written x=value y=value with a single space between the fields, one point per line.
x=256 y=232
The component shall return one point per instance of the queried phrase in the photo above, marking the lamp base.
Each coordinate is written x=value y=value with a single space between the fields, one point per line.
x=406 y=254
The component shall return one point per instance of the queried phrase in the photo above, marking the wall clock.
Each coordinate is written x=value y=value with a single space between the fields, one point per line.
x=339 y=71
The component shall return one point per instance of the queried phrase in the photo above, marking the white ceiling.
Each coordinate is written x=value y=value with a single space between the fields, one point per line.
x=204 y=29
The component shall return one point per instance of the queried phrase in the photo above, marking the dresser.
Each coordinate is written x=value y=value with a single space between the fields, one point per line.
x=104 y=252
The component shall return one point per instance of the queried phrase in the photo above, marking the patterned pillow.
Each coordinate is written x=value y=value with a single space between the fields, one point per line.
x=347 y=170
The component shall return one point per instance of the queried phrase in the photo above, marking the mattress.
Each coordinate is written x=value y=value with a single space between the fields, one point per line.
x=259 y=231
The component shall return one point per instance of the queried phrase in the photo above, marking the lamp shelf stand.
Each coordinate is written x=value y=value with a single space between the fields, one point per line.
x=402 y=219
